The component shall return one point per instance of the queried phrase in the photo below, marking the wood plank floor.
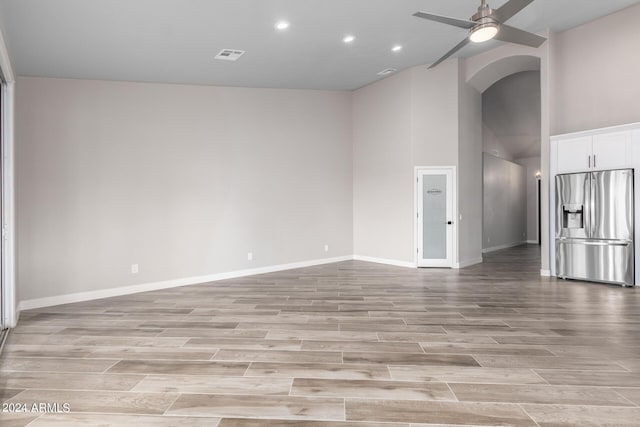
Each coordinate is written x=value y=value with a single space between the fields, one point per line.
x=350 y=344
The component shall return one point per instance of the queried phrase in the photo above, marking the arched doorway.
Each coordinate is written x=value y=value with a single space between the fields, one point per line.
x=511 y=165
x=484 y=70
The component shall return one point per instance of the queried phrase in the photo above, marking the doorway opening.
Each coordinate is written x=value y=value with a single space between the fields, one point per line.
x=511 y=142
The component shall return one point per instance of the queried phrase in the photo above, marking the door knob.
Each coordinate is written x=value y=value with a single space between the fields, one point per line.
x=449 y=222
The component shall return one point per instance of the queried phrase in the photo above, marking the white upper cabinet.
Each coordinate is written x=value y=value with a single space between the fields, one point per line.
x=574 y=154
x=597 y=152
x=612 y=150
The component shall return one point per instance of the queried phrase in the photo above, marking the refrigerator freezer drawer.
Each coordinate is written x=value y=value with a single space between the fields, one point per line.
x=598 y=261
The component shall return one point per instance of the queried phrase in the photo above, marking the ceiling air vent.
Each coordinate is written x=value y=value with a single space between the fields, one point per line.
x=387 y=72
x=229 y=54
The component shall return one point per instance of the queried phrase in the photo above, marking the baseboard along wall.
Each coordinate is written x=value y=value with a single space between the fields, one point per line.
x=505 y=246
x=154 y=286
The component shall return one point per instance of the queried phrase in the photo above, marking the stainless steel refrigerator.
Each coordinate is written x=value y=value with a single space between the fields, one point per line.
x=594 y=226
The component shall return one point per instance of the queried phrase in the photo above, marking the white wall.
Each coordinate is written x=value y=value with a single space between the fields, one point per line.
x=596 y=69
x=532 y=167
x=470 y=174
x=382 y=169
x=504 y=205
x=182 y=180
x=437 y=140
x=435 y=114
x=407 y=120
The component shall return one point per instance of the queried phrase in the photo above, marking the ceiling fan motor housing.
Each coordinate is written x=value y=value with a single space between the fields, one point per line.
x=484 y=13
x=483 y=19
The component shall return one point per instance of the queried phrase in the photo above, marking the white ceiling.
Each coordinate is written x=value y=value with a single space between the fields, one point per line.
x=174 y=41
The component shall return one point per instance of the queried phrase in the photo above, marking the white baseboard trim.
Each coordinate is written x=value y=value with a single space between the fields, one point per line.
x=154 y=286
x=468 y=263
x=506 y=246
x=393 y=262
x=545 y=273
x=532 y=242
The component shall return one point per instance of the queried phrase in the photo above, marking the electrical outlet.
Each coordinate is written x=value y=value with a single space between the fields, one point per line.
x=250 y=256
x=134 y=269
x=326 y=248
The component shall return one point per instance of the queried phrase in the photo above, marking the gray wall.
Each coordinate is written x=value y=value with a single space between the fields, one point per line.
x=595 y=74
x=470 y=173
x=511 y=116
x=382 y=169
x=435 y=114
x=443 y=122
x=410 y=119
x=504 y=203
x=182 y=180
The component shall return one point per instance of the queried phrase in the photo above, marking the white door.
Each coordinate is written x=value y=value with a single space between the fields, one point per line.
x=435 y=215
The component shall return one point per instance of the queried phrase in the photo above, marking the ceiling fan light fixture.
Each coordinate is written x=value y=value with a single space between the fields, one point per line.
x=282 y=25
x=484 y=32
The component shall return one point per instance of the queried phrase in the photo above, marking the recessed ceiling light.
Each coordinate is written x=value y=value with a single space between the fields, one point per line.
x=348 y=38
x=396 y=48
x=282 y=25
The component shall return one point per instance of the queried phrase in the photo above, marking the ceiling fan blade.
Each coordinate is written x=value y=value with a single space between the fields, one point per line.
x=510 y=8
x=517 y=36
x=461 y=23
x=459 y=46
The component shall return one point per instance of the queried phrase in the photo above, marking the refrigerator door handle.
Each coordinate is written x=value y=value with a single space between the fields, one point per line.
x=569 y=240
x=590 y=206
x=596 y=243
x=589 y=161
x=592 y=202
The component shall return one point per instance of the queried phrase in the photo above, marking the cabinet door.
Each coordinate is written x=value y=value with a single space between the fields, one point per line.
x=612 y=150
x=574 y=155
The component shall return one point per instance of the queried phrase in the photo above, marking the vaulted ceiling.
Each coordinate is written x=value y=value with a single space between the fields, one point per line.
x=175 y=41
x=511 y=114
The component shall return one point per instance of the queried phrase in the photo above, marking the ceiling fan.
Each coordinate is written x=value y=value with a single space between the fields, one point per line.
x=488 y=24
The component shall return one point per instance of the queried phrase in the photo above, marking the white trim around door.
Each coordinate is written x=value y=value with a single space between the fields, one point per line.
x=9 y=311
x=448 y=228
x=9 y=314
